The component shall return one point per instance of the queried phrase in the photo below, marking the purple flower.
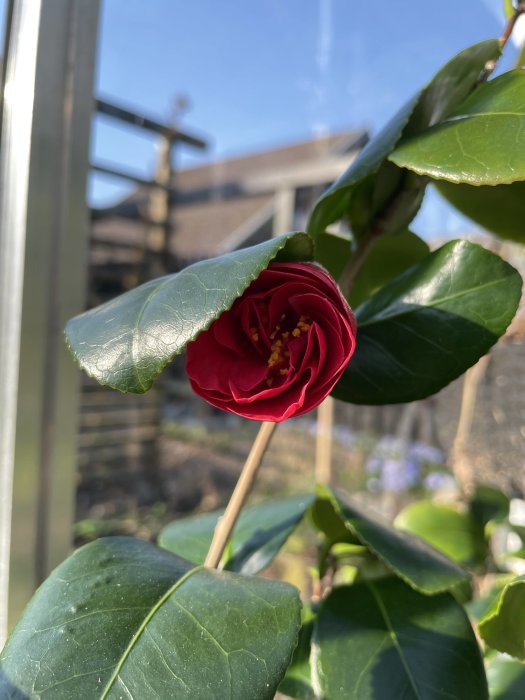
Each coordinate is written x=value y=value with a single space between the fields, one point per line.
x=394 y=476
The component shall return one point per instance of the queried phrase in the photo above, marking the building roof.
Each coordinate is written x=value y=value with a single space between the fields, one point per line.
x=217 y=205
x=236 y=169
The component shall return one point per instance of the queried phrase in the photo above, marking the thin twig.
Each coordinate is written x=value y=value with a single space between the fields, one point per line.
x=242 y=489
x=509 y=27
x=504 y=38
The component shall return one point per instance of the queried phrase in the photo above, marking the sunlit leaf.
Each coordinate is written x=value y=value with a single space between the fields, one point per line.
x=503 y=627
x=123 y=619
x=454 y=533
x=374 y=189
x=334 y=202
x=479 y=607
x=127 y=342
x=480 y=143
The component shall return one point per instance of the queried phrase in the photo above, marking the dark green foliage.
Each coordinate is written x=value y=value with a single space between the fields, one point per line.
x=383 y=640
x=428 y=326
x=122 y=618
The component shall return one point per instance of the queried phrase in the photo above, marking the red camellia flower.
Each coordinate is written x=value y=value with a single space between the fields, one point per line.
x=280 y=349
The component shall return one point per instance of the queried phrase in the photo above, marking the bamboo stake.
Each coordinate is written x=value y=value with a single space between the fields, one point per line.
x=323 y=453
x=242 y=489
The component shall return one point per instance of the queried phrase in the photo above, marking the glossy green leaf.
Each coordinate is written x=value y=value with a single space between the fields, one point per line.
x=297 y=682
x=451 y=85
x=456 y=534
x=127 y=342
x=408 y=557
x=385 y=202
x=371 y=185
x=503 y=627
x=500 y=209
x=328 y=518
x=124 y=619
x=480 y=143
x=506 y=679
x=190 y=538
x=389 y=257
x=335 y=201
x=390 y=199
x=260 y=533
x=429 y=325
x=383 y=641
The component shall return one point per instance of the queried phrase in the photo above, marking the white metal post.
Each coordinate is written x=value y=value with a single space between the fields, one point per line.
x=43 y=239
x=14 y=184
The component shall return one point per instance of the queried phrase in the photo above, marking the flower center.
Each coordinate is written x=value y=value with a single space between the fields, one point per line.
x=279 y=358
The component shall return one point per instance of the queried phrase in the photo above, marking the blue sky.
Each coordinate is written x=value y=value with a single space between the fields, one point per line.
x=269 y=72
x=260 y=74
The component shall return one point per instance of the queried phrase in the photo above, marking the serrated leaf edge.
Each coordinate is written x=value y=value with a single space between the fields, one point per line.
x=220 y=310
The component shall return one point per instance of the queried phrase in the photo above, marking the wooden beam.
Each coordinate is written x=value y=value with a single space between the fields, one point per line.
x=143 y=122
x=113 y=171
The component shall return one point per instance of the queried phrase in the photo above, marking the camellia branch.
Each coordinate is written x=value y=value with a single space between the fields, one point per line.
x=504 y=38
x=242 y=489
x=509 y=27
